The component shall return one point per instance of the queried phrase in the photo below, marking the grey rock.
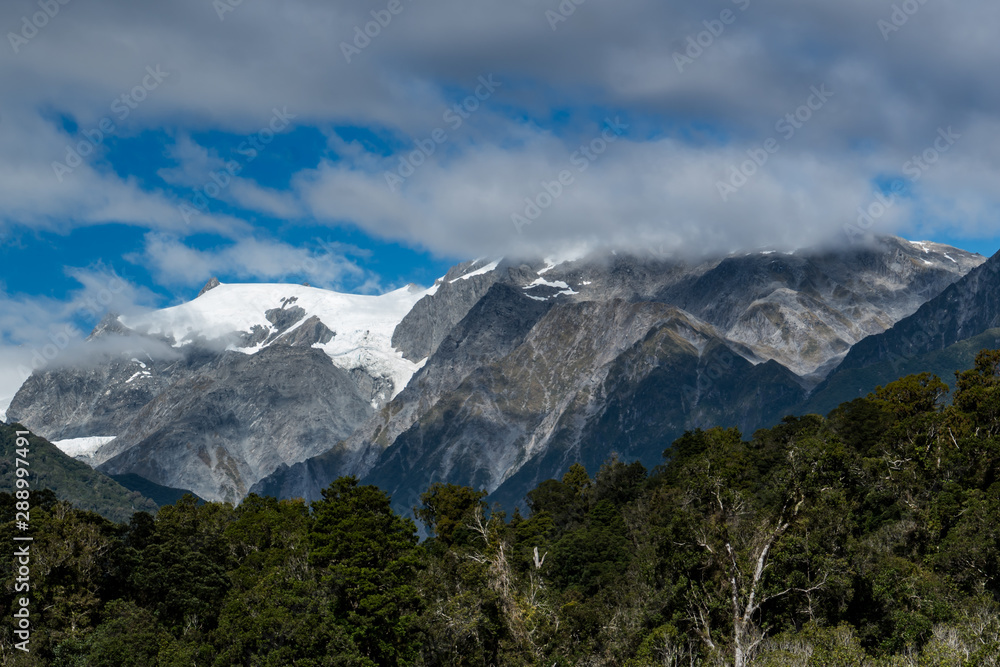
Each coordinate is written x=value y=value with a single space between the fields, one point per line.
x=283 y=318
x=943 y=337
x=100 y=389
x=496 y=325
x=309 y=333
x=528 y=368
x=432 y=318
x=964 y=310
x=609 y=365
x=210 y=285
x=222 y=429
x=590 y=380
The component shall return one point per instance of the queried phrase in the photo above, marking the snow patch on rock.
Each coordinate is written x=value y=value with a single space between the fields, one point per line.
x=479 y=272
x=83 y=448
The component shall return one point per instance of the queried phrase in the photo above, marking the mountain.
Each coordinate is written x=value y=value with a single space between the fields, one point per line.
x=579 y=360
x=216 y=393
x=499 y=376
x=70 y=480
x=589 y=380
x=161 y=495
x=942 y=337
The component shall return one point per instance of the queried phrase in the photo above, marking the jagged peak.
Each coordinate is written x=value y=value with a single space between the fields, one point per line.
x=110 y=324
x=210 y=285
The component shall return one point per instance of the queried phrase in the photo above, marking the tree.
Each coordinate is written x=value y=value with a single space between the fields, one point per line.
x=735 y=532
x=370 y=558
x=978 y=393
x=446 y=509
x=129 y=637
x=182 y=569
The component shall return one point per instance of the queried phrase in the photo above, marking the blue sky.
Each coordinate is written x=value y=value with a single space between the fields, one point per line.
x=275 y=142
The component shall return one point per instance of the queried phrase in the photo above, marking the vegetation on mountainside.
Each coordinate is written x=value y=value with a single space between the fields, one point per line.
x=869 y=537
x=68 y=478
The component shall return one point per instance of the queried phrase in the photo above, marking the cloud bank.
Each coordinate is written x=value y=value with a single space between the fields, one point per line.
x=701 y=88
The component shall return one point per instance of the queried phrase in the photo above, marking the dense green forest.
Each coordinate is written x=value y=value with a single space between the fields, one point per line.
x=869 y=537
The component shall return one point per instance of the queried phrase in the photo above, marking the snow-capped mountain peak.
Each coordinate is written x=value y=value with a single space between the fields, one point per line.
x=251 y=317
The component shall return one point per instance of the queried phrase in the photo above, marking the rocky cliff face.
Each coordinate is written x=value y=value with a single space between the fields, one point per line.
x=607 y=364
x=591 y=379
x=804 y=310
x=499 y=376
x=101 y=388
x=963 y=310
x=219 y=430
x=943 y=336
x=432 y=318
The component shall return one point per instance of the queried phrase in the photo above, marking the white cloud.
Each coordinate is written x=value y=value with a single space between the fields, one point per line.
x=37 y=332
x=174 y=263
x=653 y=188
x=227 y=75
x=194 y=161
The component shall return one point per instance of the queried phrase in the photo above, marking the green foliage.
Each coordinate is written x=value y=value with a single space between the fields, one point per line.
x=282 y=620
x=911 y=396
x=868 y=538
x=129 y=637
x=595 y=553
x=181 y=570
x=369 y=557
x=447 y=509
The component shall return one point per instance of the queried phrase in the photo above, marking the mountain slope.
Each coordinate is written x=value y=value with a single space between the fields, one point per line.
x=590 y=380
x=69 y=479
x=608 y=364
x=943 y=336
x=221 y=430
x=965 y=309
x=355 y=331
x=503 y=369
x=806 y=310
x=494 y=326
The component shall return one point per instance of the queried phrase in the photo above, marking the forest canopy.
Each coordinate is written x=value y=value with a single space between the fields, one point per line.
x=868 y=537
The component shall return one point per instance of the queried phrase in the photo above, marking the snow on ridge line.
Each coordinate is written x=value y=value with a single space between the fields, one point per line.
x=479 y=272
x=939 y=248
x=238 y=307
x=363 y=324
